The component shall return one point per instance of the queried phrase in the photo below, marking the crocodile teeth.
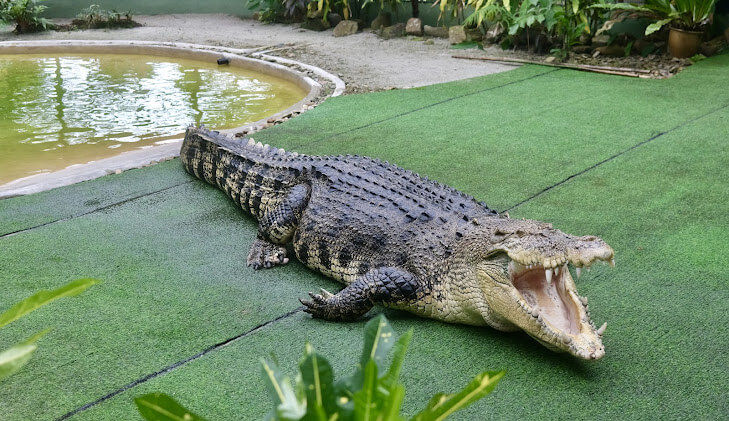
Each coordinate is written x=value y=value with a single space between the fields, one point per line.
x=548 y=275
x=602 y=329
x=556 y=271
x=578 y=271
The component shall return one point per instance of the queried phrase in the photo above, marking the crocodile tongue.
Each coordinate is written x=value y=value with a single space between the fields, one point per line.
x=547 y=295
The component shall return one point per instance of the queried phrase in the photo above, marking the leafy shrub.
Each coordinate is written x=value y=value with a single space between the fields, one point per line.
x=15 y=357
x=690 y=15
x=554 y=23
x=371 y=393
x=94 y=17
x=26 y=14
x=270 y=10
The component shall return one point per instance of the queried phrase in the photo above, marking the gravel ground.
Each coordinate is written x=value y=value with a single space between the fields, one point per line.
x=364 y=61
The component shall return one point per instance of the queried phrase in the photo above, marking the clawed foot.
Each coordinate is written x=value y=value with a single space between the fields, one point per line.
x=266 y=255
x=320 y=306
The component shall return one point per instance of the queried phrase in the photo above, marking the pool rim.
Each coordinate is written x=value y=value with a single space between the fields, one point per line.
x=250 y=59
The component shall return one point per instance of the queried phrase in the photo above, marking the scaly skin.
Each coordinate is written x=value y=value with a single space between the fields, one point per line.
x=400 y=240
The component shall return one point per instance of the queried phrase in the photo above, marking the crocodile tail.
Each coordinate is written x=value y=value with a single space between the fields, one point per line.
x=203 y=148
x=245 y=170
x=200 y=153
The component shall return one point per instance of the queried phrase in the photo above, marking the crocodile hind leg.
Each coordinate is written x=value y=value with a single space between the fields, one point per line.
x=276 y=226
x=384 y=286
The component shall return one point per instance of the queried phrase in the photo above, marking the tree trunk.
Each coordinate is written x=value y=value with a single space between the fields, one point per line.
x=416 y=11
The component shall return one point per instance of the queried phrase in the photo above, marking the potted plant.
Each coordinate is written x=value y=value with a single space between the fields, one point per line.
x=687 y=20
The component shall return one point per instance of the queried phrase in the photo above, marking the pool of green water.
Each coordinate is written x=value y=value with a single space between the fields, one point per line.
x=61 y=110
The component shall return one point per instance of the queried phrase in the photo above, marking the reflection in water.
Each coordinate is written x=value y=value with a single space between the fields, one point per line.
x=57 y=111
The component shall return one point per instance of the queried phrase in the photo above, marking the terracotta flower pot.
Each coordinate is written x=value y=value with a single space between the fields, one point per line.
x=682 y=44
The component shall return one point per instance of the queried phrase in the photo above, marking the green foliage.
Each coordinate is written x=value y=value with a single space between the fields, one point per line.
x=368 y=394
x=558 y=23
x=691 y=15
x=96 y=17
x=12 y=359
x=454 y=8
x=535 y=13
x=290 y=403
x=442 y=405
x=26 y=14
x=160 y=407
x=494 y=11
x=270 y=10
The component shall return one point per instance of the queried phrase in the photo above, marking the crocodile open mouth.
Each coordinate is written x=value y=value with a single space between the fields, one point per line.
x=546 y=294
x=550 y=299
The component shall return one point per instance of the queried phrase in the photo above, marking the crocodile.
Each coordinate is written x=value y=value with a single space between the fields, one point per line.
x=399 y=240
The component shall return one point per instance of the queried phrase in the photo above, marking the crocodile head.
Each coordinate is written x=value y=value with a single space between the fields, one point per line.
x=524 y=271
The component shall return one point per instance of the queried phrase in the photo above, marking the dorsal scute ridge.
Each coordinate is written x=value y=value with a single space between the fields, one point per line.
x=266 y=152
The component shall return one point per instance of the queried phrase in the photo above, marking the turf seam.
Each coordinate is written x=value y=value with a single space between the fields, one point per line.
x=178 y=364
x=370 y=124
x=111 y=205
x=612 y=157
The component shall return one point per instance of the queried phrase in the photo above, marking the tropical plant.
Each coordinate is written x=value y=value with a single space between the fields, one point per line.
x=26 y=14
x=492 y=11
x=453 y=8
x=15 y=357
x=371 y=393
x=560 y=23
x=270 y=10
x=691 y=15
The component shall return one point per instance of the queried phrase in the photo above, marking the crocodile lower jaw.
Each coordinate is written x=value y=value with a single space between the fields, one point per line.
x=553 y=312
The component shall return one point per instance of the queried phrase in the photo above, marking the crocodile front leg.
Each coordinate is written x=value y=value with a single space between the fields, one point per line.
x=276 y=227
x=384 y=286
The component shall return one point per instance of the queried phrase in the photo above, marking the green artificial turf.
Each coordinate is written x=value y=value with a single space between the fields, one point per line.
x=172 y=256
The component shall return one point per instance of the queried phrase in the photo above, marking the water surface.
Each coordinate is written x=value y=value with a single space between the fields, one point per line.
x=57 y=111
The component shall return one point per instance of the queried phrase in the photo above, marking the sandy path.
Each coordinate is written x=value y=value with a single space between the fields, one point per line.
x=364 y=61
